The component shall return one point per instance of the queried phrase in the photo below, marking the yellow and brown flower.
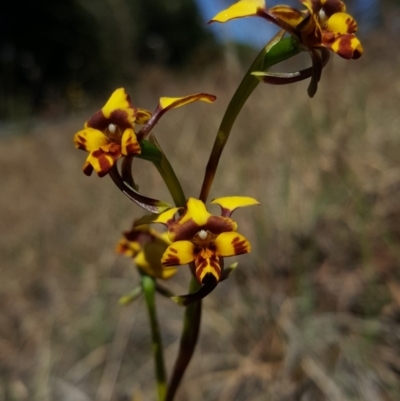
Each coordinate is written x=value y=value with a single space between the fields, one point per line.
x=146 y=247
x=323 y=25
x=204 y=239
x=110 y=134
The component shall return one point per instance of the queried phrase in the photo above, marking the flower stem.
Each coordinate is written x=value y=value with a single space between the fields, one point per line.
x=168 y=175
x=149 y=288
x=276 y=50
x=190 y=334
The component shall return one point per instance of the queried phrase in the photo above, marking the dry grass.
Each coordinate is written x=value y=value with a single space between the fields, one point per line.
x=311 y=314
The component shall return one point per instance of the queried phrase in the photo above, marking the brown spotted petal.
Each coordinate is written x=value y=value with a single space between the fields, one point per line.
x=102 y=160
x=347 y=46
x=331 y=7
x=129 y=143
x=118 y=110
x=231 y=244
x=207 y=263
x=179 y=253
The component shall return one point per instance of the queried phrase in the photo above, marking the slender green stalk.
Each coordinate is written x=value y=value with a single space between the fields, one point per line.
x=168 y=175
x=190 y=334
x=149 y=289
x=275 y=51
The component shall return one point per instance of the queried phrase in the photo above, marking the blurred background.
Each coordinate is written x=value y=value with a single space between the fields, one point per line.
x=313 y=313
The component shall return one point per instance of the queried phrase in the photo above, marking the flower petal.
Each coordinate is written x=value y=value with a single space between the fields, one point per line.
x=195 y=211
x=90 y=139
x=341 y=23
x=313 y=6
x=346 y=46
x=230 y=244
x=331 y=7
x=167 y=103
x=142 y=116
x=149 y=260
x=101 y=160
x=167 y=217
x=129 y=143
x=230 y=203
x=178 y=253
x=287 y=14
x=128 y=248
x=118 y=110
x=207 y=262
x=243 y=8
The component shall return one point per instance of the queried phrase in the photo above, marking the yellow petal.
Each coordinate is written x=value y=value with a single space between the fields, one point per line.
x=166 y=217
x=241 y=9
x=178 y=253
x=313 y=6
x=142 y=116
x=207 y=262
x=128 y=248
x=287 y=14
x=230 y=203
x=129 y=143
x=167 y=103
x=102 y=159
x=149 y=260
x=346 y=46
x=231 y=243
x=196 y=211
x=90 y=139
x=119 y=109
x=341 y=23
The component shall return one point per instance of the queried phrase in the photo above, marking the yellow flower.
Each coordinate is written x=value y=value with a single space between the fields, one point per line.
x=323 y=25
x=110 y=134
x=146 y=247
x=204 y=239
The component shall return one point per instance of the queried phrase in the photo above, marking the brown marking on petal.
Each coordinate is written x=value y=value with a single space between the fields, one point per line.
x=133 y=147
x=184 y=231
x=80 y=143
x=104 y=162
x=240 y=246
x=285 y=14
x=333 y=6
x=345 y=49
x=98 y=121
x=114 y=149
x=88 y=169
x=352 y=25
x=329 y=37
x=171 y=259
x=141 y=236
x=121 y=118
x=218 y=225
x=356 y=54
x=202 y=262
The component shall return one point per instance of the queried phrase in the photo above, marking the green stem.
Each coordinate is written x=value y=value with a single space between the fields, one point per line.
x=190 y=334
x=275 y=51
x=149 y=288
x=168 y=175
